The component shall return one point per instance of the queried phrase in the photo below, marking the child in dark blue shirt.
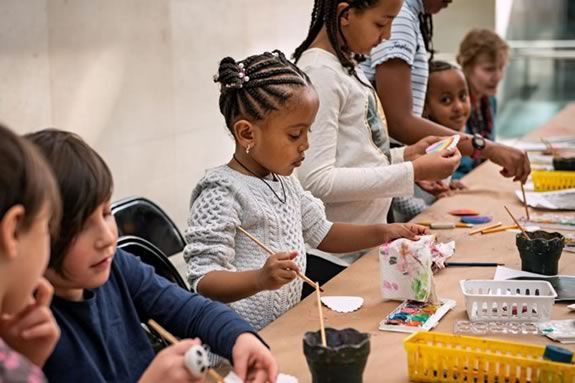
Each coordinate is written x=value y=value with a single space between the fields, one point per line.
x=104 y=294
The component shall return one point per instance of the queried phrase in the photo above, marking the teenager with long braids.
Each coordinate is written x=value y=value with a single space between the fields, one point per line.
x=350 y=165
x=268 y=105
x=398 y=67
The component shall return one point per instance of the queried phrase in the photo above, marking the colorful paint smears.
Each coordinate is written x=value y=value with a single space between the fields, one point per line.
x=476 y=219
x=463 y=212
x=411 y=316
x=446 y=143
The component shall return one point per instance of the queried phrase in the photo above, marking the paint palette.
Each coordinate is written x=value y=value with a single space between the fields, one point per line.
x=446 y=143
x=412 y=316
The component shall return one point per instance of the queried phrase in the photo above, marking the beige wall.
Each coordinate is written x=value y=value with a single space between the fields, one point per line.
x=134 y=78
x=452 y=23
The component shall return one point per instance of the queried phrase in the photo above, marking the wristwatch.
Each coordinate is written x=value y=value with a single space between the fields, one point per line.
x=478 y=143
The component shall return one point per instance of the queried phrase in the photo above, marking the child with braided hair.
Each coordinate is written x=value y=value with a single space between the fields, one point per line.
x=350 y=165
x=268 y=105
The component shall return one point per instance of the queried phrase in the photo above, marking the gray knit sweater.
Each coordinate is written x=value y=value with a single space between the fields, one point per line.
x=225 y=198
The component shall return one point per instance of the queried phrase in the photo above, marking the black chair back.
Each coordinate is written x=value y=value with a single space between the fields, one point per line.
x=152 y=256
x=142 y=218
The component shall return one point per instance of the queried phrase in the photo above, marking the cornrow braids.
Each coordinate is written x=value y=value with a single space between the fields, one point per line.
x=256 y=86
x=426 y=28
x=440 y=66
x=325 y=13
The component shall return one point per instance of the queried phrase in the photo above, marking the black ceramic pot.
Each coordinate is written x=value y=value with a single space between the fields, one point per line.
x=344 y=359
x=541 y=252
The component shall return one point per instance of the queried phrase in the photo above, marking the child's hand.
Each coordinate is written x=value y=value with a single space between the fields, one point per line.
x=436 y=166
x=169 y=365
x=412 y=152
x=253 y=362
x=33 y=332
x=278 y=270
x=410 y=231
x=457 y=185
x=434 y=188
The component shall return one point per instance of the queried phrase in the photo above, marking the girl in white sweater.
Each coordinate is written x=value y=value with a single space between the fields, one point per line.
x=350 y=165
x=269 y=106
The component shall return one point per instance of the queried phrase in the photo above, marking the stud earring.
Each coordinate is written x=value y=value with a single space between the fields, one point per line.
x=248 y=148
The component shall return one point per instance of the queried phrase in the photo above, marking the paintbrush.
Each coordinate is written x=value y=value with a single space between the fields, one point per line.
x=524 y=201
x=321 y=325
x=271 y=252
x=445 y=225
x=173 y=340
x=517 y=223
x=498 y=229
x=485 y=228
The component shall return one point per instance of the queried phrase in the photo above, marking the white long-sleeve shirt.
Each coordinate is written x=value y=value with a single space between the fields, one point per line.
x=349 y=164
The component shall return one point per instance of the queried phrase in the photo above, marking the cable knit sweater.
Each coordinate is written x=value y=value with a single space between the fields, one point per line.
x=224 y=199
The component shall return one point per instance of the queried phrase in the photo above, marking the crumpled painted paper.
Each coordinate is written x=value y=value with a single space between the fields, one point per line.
x=406 y=267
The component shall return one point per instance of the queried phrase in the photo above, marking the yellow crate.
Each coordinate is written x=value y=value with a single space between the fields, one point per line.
x=548 y=180
x=437 y=357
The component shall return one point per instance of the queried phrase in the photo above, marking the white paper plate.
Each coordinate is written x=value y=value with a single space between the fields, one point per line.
x=342 y=304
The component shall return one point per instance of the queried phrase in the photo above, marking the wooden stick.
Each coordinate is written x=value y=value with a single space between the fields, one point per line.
x=271 y=252
x=492 y=226
x=162 y=331
x=173 y=340
x=499 y=229
x=217 y=377
x=524 y=201
x=321 y=325
x=517 y=223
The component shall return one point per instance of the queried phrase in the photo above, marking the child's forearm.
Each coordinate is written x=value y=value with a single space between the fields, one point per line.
x=346 y=237
x=229 y=286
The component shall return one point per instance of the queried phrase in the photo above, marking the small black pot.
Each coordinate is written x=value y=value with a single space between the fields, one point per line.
x=541 y=252
x=344 y=359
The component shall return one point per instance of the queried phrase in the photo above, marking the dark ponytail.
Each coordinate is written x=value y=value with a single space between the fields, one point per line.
x=325 y=13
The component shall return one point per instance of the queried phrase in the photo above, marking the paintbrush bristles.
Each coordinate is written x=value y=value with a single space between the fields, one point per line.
x=517 y=223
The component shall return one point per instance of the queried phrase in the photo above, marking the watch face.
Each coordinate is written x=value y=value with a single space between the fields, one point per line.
x=478 y=142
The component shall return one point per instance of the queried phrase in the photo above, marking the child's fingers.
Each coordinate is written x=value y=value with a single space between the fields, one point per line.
x=407 y=233
x=285 y=255
x=288 y=265
x=44 y=292
x=182 y=346
x=44 y=329
x=418 y=229
x=287 y=275
x=37 y=316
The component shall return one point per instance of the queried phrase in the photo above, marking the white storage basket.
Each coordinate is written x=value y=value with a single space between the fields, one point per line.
x=517 y=301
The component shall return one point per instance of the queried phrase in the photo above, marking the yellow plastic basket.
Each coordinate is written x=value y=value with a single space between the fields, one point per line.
x=437 y=357
x=548 y=180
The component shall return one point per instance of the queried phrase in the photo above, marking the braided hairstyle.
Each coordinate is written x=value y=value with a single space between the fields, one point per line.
x=440 y=66
x=256 y=86
x=325 y=13
x=426 y=28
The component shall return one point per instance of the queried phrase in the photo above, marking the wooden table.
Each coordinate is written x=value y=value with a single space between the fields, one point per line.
x=387 y=361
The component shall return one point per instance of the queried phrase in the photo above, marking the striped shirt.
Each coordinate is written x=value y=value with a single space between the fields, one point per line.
x=406 y=43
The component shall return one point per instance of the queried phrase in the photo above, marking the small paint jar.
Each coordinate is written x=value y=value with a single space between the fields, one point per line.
x=541 y=252
x=342 y=361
